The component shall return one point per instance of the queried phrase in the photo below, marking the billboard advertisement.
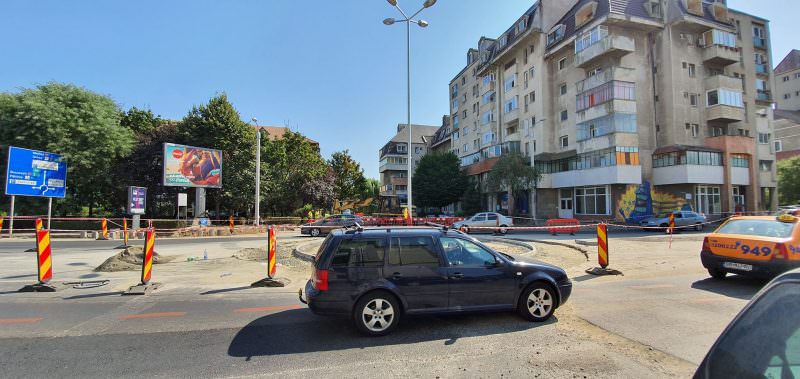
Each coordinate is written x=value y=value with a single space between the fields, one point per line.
x=189 y=166
x=137 y=197
x=35 y=173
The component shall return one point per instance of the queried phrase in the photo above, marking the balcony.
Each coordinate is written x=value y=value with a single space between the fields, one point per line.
x=764 y=96
x=762 y=69
x=719 y=55
x=393 y=167
x=607 y=108
x=611 y=46
x=399 y=181
x=724 y=113
x=724 y=81
x=740 y=176
x=688 y=174
x=733 y=144
x=613 y=73
x=759 y=43
x=511 y=116
x=592 y=176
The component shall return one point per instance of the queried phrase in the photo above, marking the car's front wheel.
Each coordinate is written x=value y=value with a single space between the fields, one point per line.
x=717 y=273
x=538 y=302
x=376 y=314
x=314 y=232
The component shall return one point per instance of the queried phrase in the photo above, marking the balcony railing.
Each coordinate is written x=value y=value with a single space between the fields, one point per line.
x=762 y=69
x=607 y=75
x=720 y=55
x=762 y=95
x=759 y=43
x=611 y=45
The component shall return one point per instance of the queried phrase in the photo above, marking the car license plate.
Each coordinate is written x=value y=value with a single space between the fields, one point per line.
x=738 y=266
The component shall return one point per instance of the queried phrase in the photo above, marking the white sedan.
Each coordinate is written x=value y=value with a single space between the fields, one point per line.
x=486 y=220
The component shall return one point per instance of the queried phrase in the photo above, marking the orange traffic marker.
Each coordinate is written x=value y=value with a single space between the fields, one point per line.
x=230 y=223
x=103 y=230
x=44 y=264
x=602 y=245
x=145 y=286
x=272 y=245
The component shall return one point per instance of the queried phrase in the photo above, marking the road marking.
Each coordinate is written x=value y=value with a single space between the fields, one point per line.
x=652 y=286
x=9 y=321
x=153 y=315
x=268 y=309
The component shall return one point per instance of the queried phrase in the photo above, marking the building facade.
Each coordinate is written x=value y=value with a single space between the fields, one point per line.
x=393 y=162
x=626 y=107
x=787 y=134
x=787 y=82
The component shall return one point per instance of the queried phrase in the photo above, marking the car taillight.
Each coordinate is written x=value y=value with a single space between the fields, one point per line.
x=780 y=252
x=321 y=279
x=706 y=246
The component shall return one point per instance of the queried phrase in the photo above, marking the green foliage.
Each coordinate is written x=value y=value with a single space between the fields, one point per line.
x=81 y=125
x=789 y=181
x=294 y=173
x=471 y=199
x=217 y=125
x=350 y=182
x=438 y=180
x=512 y=173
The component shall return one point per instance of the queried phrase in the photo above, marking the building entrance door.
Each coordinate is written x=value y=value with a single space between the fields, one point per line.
x=565 y=203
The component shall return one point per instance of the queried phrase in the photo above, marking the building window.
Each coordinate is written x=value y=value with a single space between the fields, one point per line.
x=591 y=201
x=532 y=96
x=614 y=123
x=692 y=70
x=418 y=150
x=689 y=157
x=463 y=80
x=738 y=160
x=455 y=122
x=556 y=34
x=708 y=199
x=590 y=38
x=763 y=138
x=606 y=92
x=487 y=117
x=724 y=97
x=511 y=104
x=562 y=63
x=510 y=82
x=464 y=114
x=719 y=38
x=488 y=97
x=454 y=91
x=455 y=135
x=455 y=105
x=765 y=166
x=563 y=89
x=402 y=148
x=693 y=99
x=564 y=115
x=564 y=141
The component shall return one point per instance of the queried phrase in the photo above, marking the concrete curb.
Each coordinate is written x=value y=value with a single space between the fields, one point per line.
x=298 y=252
x=531 y=248
x=557 y=243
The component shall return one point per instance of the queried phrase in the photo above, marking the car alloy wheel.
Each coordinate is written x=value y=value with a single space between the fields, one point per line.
x=538 y=302
x=314 y=232
x=377 y=315
x=503 y=229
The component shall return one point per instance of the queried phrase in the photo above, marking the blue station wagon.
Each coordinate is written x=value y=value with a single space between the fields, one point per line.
x=375 y=276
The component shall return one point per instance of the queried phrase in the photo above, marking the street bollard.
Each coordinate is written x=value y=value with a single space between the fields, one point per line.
x=230 y=223
x=602 y=245
x=38 y=224
x=103 y=230
x=145 y=286
x=124 y=234
x=272 y=246
x=44 y=264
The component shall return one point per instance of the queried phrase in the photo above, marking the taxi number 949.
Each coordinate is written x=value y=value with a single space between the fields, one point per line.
x=765 y=251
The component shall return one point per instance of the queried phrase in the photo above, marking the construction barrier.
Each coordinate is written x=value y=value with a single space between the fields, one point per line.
x=43 y=257
x=602 y=245
x=671 y=228
x=125 y=231
x=103 y=229
x=230 y=223
x=39 y=225
x=563 y=225
x=272 y=244
x=1 y=225
x=147 y=259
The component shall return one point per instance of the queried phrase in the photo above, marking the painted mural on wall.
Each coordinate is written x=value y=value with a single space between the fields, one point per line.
x=643 y=201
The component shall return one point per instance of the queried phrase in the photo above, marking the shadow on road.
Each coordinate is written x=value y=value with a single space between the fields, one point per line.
x=300 y=331
x=223 y=290
x=92 y=295
x=740 y=287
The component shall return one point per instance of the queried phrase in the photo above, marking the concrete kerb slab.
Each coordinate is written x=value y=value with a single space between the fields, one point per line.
x=531 y=248
x=553 y=242
x=300 y=252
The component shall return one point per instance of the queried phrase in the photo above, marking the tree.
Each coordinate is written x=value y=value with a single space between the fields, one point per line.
x=789 y=181
x=471 y=200
x=81 y=125
x=514 y=174
x=439 y=180
x=293 y=174
x=217 y=125
x=350 y=180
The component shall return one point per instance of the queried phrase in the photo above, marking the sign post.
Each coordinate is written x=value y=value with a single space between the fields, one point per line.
x=35 y=173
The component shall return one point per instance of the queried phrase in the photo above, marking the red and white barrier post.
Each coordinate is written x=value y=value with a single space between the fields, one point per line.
x=272 y=262
x=44 y=264
x=145 y=287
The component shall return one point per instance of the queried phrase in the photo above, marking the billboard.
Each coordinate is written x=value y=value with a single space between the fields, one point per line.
x=137 y=197
x=189 y=166
x=35 y=173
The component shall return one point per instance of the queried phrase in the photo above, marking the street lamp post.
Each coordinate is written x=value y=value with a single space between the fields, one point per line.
x=422 y=23
x=258 y=172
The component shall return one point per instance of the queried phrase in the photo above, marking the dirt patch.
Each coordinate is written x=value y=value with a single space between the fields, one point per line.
x=283 y=251
x=507 y=248
x=129 y=259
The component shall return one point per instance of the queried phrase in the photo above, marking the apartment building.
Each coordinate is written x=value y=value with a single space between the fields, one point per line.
x=393 y=157
x=627 y=107
x=440 y=142
x=787 y=134
x=787 y=82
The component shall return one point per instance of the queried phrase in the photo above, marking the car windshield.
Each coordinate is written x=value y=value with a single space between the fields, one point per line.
x=763 y=228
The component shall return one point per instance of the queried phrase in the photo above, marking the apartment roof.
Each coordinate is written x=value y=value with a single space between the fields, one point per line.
x=790 y=63
x=494 y=49
x=417 y=132
x=277 y=132
x=708 y=14
x=443 y=133
x=780 y=114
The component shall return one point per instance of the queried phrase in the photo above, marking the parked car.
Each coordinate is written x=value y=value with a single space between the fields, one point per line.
x=378 y=275
x=683 y=220
x=762 y=246
x=324 y=226
x=763 y=341
x=486 y=220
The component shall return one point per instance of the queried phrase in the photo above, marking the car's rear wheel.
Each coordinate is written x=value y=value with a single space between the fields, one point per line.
x=538 y=302
x=717 y=273
x=314 y=232
x=376 y=314
x=503 y=229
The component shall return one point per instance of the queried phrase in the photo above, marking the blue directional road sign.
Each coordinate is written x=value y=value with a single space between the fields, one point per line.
x=35 y=173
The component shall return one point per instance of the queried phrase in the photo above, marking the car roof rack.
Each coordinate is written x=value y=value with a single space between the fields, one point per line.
x=356 y=227
x=444 y=228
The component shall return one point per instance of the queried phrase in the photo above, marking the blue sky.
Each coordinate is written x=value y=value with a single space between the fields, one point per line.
x=329 y=69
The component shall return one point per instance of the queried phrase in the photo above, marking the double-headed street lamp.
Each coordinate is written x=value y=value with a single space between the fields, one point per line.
x=422 y=23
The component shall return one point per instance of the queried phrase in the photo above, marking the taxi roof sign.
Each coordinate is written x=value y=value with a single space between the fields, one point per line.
x=787 y=218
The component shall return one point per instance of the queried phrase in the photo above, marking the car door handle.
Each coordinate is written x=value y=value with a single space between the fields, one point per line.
x=396 y=276
x=457 y=275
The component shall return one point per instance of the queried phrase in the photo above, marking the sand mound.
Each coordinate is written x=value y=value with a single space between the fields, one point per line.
x=129 y=259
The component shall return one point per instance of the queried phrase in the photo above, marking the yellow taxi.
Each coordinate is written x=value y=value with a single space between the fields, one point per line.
x=762 y=246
